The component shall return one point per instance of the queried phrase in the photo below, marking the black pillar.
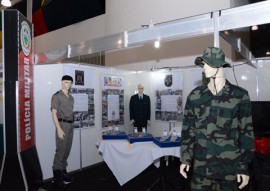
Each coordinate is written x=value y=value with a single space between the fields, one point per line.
x=20 y=167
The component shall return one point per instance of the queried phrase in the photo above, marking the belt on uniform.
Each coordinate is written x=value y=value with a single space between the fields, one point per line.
x=65 y=120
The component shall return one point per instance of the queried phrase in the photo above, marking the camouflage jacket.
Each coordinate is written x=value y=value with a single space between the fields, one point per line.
x=217 y=136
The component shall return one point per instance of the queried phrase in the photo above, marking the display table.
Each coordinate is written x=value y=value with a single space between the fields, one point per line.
x=127 y=160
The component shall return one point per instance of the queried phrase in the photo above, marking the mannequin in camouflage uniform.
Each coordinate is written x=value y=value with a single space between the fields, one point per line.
x=217 y=135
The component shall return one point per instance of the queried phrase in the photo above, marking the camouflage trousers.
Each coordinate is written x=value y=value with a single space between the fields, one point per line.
x=199 y=183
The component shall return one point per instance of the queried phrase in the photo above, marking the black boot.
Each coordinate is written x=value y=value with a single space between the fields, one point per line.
x=58 y=179
x=66 y=178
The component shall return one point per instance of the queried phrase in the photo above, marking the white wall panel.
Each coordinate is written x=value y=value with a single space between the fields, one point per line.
x=74 y=157
x=244 y=76
x=90 y=153
x=243 y=73
x=47 y=82
x=264 y=81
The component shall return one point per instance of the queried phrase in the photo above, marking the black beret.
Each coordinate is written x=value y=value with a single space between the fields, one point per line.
x=66 y=77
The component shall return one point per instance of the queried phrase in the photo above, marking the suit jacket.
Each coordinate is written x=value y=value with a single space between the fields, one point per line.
x=140 y=110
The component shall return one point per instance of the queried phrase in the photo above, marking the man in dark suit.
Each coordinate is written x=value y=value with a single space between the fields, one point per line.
x=140 y=109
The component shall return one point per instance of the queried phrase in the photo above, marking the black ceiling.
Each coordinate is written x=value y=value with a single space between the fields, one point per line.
x=260 y=39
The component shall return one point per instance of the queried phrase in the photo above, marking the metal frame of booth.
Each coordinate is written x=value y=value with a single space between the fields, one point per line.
x=216 y=23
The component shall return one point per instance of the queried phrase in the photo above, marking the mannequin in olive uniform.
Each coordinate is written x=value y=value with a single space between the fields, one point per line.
x=140 y=109
x=221 y=147
x=62 y=114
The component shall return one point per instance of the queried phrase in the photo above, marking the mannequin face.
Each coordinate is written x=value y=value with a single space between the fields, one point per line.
x=66 y=84
x=209 y=71
x=140 y=89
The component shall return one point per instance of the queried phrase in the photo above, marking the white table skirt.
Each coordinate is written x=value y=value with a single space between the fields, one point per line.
x=128 y=160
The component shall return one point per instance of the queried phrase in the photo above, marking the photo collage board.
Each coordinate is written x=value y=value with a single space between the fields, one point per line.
x=169 y=96
x=112 y=100
x=83 y=92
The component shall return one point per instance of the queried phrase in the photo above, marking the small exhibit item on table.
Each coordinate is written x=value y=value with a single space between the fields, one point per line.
x=113 y=134
x=140 y=137
x=167 y=141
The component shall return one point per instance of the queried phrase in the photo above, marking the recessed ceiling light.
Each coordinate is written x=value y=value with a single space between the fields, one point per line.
x=254 y=28
x=157 y=44
x=119 y=41
x=6 y=3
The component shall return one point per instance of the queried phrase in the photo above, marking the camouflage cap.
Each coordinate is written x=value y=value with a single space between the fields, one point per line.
x=214 y=57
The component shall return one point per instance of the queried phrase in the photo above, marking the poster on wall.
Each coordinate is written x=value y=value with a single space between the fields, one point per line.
x=84 y=107
x=168 y=96
x=112 y=100
x=83 y=92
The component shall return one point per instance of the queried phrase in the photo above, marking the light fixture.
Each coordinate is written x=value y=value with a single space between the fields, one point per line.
x=119 y=41
x=226 y=32
x=157 y=44
x=254 y=28
x=6 y=3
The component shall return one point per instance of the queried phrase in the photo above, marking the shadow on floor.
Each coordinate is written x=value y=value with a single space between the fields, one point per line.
x=100 y=178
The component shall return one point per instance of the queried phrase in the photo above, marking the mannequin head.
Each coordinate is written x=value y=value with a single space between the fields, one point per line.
x=66 y=82
x=140 y=89
x=213 y=62
x=211 y=72
x=215 y=77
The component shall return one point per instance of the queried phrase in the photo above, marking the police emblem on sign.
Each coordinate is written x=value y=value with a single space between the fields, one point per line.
x=168 y=80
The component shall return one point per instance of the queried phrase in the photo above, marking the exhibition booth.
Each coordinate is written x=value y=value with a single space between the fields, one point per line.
x=167 y=103
x=102 y=93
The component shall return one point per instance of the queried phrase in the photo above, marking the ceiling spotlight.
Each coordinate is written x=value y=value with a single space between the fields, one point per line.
x=226 y=32
x=254 y=28
x=6 y=3
x=157 y=44
x=119 y=41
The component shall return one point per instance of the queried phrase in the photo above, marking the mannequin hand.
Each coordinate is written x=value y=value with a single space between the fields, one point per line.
x=182 y=170
x=148 y=123
x=132 y=122
x=60 y=133
x=242 y=178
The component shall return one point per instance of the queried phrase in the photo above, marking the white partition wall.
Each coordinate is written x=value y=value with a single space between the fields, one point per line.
x=47 y=82
x=255 y=81
x=84 y=150
x=263 y=81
